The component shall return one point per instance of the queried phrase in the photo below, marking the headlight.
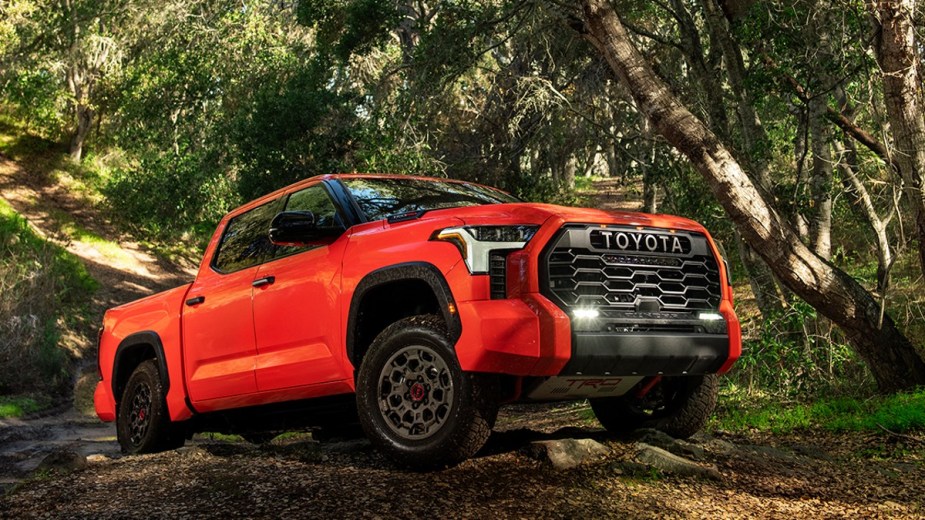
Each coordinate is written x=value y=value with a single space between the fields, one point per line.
x=475 y=243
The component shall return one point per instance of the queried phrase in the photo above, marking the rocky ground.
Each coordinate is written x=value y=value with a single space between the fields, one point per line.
x=804 y=476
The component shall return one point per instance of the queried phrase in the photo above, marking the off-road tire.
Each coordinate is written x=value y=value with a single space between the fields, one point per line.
x=143 y=400
x=471 y=415
x=686 y=405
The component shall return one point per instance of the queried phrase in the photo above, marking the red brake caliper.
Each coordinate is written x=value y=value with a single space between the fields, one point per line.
x=417 y=392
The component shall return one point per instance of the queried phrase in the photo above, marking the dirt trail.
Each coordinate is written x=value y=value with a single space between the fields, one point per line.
x=614 y=195
x=125 y=271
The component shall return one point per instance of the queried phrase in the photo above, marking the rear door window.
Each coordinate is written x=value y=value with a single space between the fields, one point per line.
x=246 y=241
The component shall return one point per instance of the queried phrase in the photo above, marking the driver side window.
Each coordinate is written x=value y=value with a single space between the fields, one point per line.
x=315 y=199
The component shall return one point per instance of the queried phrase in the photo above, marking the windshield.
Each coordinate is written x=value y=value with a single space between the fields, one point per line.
x=383 y=198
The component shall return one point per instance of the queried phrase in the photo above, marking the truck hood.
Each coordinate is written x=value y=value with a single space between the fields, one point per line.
x=532 y=213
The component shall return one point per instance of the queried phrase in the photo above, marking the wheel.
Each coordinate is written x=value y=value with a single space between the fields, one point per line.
x=143 y=425
x=414 y=401
x=678 y=406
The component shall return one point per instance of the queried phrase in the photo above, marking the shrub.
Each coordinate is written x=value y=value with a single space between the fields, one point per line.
x=42 y=290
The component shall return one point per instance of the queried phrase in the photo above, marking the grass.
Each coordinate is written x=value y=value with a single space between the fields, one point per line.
x=897 y=413
x=44 y=292
x=584 y=183
x=12 y=406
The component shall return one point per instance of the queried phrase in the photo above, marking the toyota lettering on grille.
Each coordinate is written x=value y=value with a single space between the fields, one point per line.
x=641 y=242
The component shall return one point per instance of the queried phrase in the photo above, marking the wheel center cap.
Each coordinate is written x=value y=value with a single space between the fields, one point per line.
x=417 y=392
x=141 y=415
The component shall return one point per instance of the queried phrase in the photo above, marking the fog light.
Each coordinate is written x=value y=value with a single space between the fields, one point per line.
x=710 y=316
x=586 y=313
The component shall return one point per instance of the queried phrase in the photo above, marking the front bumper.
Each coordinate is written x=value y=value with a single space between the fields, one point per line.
x=531 y=336
x=650 y=354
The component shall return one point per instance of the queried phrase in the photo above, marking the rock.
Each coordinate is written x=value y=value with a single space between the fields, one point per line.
x=720 y=447
x=630 y=468
x=670 y=463
x=192 y=452
x=667 y=442
x=566 y=453
x=63 y=461
x=97 y=457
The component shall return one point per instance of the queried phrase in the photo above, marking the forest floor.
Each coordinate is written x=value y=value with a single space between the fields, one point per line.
x=807 y=474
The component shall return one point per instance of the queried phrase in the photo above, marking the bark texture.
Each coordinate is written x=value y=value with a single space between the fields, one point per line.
x=897 y=54
x=890 y=356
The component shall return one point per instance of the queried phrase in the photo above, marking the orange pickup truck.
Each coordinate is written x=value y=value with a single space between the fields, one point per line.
x=412 y=308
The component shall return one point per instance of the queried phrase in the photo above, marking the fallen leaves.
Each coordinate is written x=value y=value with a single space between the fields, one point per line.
x=798 y=475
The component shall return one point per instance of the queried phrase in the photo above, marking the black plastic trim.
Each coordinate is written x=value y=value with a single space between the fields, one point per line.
x=332 y=410
x=343 y=196
x=406 y=271
x=651 y=354
x=145 y=338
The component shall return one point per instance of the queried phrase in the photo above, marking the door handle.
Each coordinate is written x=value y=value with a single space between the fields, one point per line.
x=195 y=301
x=266 y=280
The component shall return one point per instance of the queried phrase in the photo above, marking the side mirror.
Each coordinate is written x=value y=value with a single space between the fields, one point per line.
x=294 y=228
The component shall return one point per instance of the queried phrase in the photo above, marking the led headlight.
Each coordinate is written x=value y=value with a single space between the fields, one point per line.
x=475 y=243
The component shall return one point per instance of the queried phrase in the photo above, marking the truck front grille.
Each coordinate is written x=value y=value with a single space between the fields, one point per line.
x=676 y=273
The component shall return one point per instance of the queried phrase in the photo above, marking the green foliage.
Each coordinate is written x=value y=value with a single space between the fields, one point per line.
x=42 y=289
x=291 y=131
x=897 y=413
x=37 y=97
x=345 y=27
x=20 y=405
x=797 y=353
x=165 y=195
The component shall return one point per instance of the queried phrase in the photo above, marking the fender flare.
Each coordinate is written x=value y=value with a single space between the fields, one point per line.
x=421 y=271
x=147 y=338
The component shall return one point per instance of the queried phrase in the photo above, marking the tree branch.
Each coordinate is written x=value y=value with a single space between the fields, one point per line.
x=846 y=125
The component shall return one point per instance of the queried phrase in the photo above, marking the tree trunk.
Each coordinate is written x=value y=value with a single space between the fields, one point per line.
x=897 y=54
x=84 y=124
x=754 y=148
x=847 y=165
x=820 y=182
x=706 y=79
x=890 y=356
x=768 y=297
x=755 y=139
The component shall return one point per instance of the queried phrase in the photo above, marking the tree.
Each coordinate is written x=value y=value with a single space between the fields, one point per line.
x=890 y=356
x=898 y=54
